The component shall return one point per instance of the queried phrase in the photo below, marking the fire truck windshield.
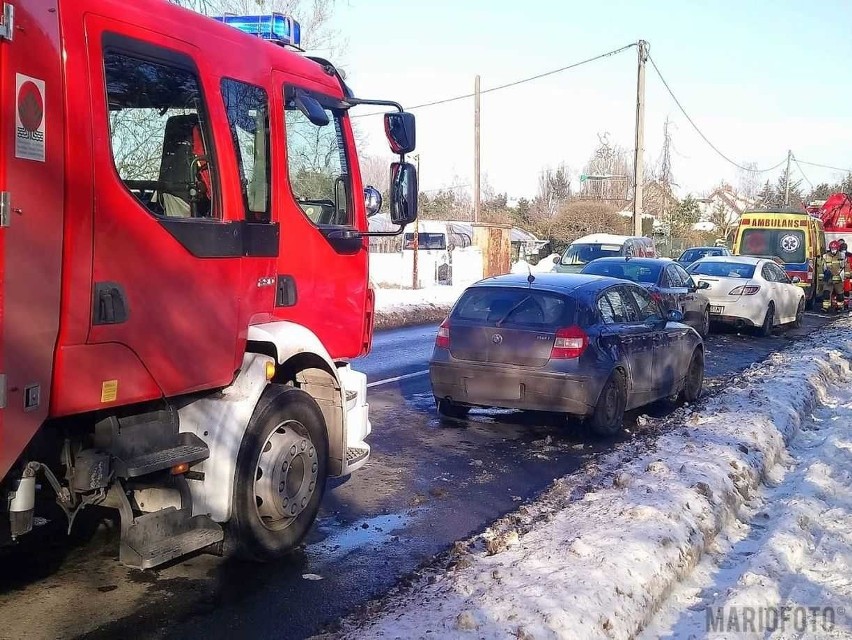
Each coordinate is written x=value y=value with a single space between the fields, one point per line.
x=318 y=166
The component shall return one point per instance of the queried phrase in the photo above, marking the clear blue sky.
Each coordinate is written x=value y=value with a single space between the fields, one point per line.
x=757 y=76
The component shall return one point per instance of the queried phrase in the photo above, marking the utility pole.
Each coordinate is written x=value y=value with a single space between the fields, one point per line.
x=638 y=169
x=666 y=180
x=476 y=166
x=787 y=180
x=414 y=276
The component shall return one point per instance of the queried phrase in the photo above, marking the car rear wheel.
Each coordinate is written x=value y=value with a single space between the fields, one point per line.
x=449 y=409
x=694 y=378
x=608 y=416
x=768 y=321
x=800 y=314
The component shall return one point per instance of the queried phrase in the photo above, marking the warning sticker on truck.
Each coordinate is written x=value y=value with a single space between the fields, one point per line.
x=29 y=118
x=109 y=391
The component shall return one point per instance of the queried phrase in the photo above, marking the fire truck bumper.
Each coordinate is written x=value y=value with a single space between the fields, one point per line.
x=357 y=426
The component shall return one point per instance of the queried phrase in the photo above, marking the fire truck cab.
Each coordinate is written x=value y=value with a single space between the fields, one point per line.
x=183 y=233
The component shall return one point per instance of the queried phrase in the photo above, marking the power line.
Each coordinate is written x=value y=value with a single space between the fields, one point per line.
x=796 y=160
x=824 y=166
x=509 y=84
x=701 y=133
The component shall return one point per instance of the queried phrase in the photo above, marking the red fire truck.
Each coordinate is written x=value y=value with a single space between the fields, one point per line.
x=184 y=256
x=836 y=215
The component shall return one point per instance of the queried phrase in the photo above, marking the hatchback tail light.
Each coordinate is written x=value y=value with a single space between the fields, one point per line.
x=442 y=340
x=744 y=290
x=569 y=343
x=656 y=297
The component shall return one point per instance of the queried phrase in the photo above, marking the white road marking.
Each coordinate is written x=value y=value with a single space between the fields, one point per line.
x=416 y=374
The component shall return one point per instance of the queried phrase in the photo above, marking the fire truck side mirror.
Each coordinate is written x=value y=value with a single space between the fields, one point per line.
x=372 y=200
x=403 y=205
x=401 y=132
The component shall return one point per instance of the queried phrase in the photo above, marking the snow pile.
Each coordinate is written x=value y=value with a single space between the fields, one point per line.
x=544 y=265
x=599 y=553
x=789 y=550
x=403 y=307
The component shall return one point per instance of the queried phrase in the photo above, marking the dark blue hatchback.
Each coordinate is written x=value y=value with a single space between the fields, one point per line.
x=576 y=344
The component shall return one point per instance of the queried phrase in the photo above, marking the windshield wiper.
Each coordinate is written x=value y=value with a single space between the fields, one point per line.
x=511 y=311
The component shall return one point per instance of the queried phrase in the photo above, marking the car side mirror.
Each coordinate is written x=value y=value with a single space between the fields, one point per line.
x=401 y=132
x=674 y=316
x=795 y=280
x=556 y=259
x=372 y=200
x=403 y=197
x=703 y=285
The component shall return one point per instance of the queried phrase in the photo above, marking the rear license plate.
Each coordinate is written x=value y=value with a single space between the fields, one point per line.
x=493 y=389
x=717 y=311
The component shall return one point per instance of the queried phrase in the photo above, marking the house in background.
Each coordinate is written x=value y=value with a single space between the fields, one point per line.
x=721 y=209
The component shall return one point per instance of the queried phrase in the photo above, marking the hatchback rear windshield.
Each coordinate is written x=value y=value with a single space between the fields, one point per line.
x=647 y=272
x=692 y=255
x=514 y=307
x=722 y=269
x=584 y=253
x=787 y=244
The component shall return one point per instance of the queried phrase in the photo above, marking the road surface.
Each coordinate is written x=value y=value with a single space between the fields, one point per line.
x=426 y=485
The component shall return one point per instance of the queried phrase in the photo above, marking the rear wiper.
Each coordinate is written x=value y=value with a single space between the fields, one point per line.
x=511 y=311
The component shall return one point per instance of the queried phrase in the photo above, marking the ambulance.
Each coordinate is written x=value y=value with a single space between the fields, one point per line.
x=796 y=238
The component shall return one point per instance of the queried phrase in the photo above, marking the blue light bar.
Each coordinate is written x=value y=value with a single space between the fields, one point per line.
x=275 y=27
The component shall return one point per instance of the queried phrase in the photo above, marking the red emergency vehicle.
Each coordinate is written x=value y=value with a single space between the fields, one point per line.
x=184 y=254
x=836 y=216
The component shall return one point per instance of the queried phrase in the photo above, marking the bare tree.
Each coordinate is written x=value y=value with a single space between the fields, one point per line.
x=724 y=219
x=554 y=189
x=749 y=180
x=609 y=171
x=375 y=172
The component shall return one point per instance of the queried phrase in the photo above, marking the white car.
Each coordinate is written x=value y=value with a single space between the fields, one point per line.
x=752 y=292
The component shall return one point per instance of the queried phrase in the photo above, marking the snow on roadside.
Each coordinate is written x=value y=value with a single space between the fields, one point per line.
x=402 y=307
x=789 y=550
x=597 y=560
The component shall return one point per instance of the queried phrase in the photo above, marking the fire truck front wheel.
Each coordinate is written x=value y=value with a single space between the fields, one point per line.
x=281 y=473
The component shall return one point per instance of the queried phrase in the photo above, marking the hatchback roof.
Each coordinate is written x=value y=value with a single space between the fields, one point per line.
x=620 y=259
x=555 y=282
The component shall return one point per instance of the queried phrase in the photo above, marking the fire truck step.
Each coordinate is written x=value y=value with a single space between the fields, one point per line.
x=356 y=454
x=156 y=538
x=159 y=460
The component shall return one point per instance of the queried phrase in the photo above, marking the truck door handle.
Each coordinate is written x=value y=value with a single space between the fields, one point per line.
x=285 y=291
x=109 y=304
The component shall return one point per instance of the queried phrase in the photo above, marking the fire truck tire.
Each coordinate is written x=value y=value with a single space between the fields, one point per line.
x=281 y=474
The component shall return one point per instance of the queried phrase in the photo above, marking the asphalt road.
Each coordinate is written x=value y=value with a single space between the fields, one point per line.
x=427 y=484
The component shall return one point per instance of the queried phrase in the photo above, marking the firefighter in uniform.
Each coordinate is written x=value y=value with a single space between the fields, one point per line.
x=832 y=278
x=846 y=256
